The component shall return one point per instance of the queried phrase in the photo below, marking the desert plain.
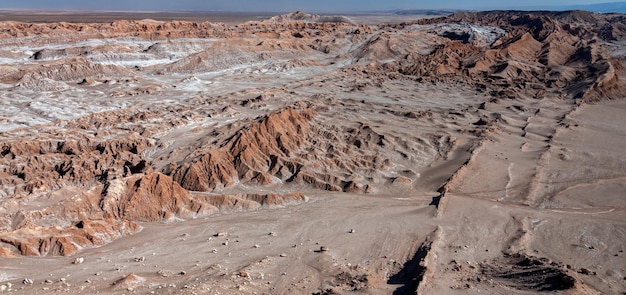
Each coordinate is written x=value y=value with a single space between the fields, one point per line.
x=480 y=152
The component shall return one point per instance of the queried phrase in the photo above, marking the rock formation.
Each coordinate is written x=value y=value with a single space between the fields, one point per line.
x=539 y=53
x=254 y=154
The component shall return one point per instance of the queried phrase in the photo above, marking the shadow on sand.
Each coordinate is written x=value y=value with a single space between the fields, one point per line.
x=411 y=273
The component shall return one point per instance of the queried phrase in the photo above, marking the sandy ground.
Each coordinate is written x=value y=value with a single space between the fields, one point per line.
x=274 y=251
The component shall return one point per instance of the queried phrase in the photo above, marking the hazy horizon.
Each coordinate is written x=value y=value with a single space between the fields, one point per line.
x=284 y=5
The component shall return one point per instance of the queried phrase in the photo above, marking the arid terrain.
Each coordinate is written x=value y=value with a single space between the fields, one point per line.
x=481 y=152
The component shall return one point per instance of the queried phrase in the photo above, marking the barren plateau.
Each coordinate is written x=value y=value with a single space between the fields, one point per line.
x=480 y=152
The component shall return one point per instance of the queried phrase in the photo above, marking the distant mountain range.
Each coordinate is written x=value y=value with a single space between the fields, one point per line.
x=432 y=12
x=619 y=7
x=608 y=7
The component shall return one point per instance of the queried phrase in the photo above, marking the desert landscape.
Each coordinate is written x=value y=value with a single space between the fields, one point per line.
x=479 y=152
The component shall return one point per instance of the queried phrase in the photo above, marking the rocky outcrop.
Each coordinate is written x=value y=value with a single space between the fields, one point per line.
x=51 y=75
x=55 y=241
x=99 y=216
x=36 y=166
x=540 y=53
x=577 y=21
x=145 y=29
x=112 y=210
x=293 y=16
x=150 y=197
x=289 y=146
x=94 y=186
x=253 y=154
x=225 y=55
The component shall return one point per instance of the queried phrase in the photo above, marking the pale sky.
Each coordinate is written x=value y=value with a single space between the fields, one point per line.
x=284 y=5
